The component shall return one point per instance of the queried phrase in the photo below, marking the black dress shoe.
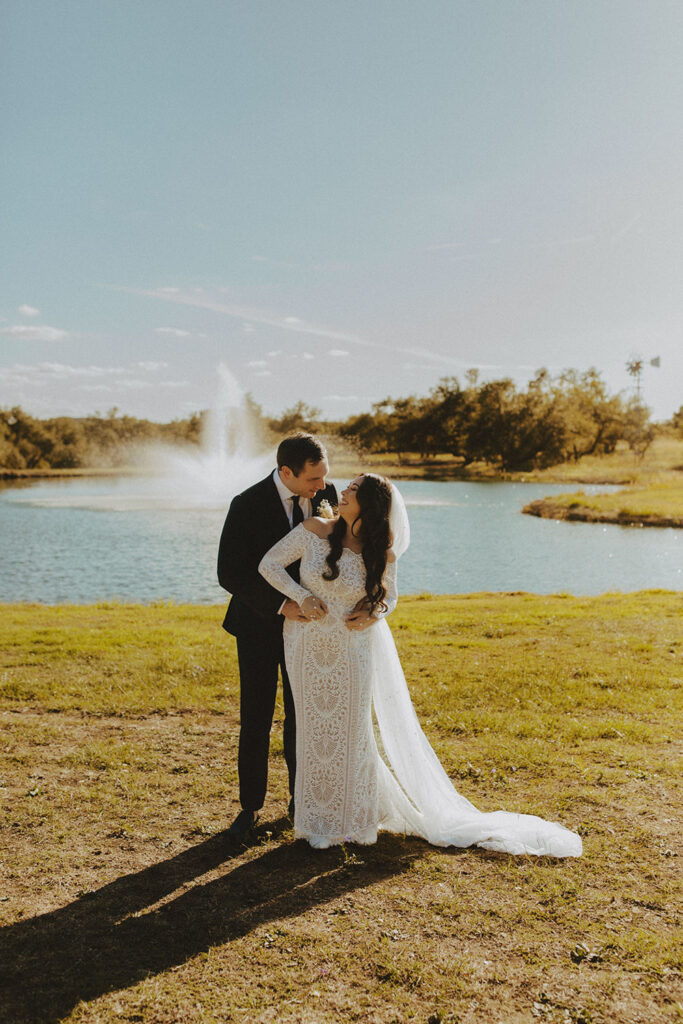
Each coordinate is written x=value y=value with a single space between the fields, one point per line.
x=243 y=825
x=290 y=809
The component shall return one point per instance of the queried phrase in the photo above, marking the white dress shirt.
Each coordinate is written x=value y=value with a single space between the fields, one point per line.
x=286 y=498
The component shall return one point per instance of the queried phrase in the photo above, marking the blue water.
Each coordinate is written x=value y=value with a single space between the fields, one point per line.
x=91 y=539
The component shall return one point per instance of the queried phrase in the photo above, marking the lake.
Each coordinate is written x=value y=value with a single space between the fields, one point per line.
x=85 y=540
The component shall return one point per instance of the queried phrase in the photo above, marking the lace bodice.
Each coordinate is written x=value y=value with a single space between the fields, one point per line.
x=341 y=594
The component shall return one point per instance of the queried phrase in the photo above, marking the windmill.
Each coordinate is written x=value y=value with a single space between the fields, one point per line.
x=635 y=368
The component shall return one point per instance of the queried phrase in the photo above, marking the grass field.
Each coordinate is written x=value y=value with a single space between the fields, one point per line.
x=122 y=899
x=661 y=463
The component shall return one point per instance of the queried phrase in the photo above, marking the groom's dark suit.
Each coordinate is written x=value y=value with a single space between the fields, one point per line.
x=256 y=520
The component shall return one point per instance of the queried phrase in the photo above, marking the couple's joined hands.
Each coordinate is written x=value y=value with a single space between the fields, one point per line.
x=312 y=609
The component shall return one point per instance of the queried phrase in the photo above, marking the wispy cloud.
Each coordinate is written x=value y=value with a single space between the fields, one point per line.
x=175 y=331
x=28 y=311
x=47 y=373
x=625 y=228
x=35 y=332
x=15 y=375
x=559 y=243
x=338 y=352
x=273 y=263
x=444 y=246
x=65 y=370
x=53 y=388
x=284 y=323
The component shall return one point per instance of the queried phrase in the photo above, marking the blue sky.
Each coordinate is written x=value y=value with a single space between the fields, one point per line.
x=338 y=200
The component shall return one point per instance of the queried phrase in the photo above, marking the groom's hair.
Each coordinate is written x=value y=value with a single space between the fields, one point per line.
x=298 y=449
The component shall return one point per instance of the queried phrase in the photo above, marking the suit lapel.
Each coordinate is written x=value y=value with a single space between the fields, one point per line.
x=275 y=507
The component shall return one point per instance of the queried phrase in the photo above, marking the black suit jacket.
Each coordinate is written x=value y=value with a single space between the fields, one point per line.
x=256 y=520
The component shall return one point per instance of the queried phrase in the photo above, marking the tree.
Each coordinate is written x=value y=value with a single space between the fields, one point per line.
x=30 y=439
x=299 y=417
x=593 y=419
x=453 y=413
x=370 y=431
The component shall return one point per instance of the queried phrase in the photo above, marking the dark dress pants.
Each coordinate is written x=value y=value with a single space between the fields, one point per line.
x=260 y=656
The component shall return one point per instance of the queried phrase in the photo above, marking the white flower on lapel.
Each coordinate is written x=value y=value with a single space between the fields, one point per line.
x=325 y=510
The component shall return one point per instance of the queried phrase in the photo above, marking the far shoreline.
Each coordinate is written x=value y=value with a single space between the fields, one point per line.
x=429 y=470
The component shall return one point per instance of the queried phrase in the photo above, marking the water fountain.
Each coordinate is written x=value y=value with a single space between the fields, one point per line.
x=227 y=460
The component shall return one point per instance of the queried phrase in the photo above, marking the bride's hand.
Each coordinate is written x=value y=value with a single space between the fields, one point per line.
x=360 y=618
x=291 y=611
x=314 y=608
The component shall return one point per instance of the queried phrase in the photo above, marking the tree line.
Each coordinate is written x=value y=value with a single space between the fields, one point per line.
x=551 y=420
x=67 y=442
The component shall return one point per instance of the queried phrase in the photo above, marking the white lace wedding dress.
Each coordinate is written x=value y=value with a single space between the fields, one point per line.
x=344 y=789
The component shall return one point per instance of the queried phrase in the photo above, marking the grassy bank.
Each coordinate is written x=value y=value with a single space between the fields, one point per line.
x=661 y=463
x=123 y=900
x=655 y=505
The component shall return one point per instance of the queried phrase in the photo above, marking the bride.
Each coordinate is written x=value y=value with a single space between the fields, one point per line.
x=342 y=664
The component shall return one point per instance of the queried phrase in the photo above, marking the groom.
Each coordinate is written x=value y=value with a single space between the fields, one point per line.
x=257 y=519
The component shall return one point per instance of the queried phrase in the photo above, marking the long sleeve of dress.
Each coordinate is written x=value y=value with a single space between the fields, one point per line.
x=273 y=564
x=390 y=581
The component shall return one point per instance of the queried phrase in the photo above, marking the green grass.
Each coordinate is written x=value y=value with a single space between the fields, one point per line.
x=122 y=900
x=663 y=499
x=662 y=463
x=116 y=658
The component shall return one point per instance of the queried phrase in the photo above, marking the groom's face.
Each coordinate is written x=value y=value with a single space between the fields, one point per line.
x=310 y=480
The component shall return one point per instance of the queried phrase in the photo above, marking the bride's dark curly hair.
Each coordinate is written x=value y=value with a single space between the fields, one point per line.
x=374 y=498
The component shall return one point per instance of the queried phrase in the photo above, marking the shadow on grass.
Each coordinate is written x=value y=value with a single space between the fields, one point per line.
x=98 y=944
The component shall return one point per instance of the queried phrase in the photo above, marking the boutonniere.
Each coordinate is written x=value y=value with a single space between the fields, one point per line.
x=325 y=510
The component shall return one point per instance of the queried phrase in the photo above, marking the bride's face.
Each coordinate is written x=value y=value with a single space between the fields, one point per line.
x=349 y=506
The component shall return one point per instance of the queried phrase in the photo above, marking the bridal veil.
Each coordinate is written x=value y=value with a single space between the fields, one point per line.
x=417 y=795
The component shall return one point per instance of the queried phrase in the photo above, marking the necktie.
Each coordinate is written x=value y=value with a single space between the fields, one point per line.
x=297 y=511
